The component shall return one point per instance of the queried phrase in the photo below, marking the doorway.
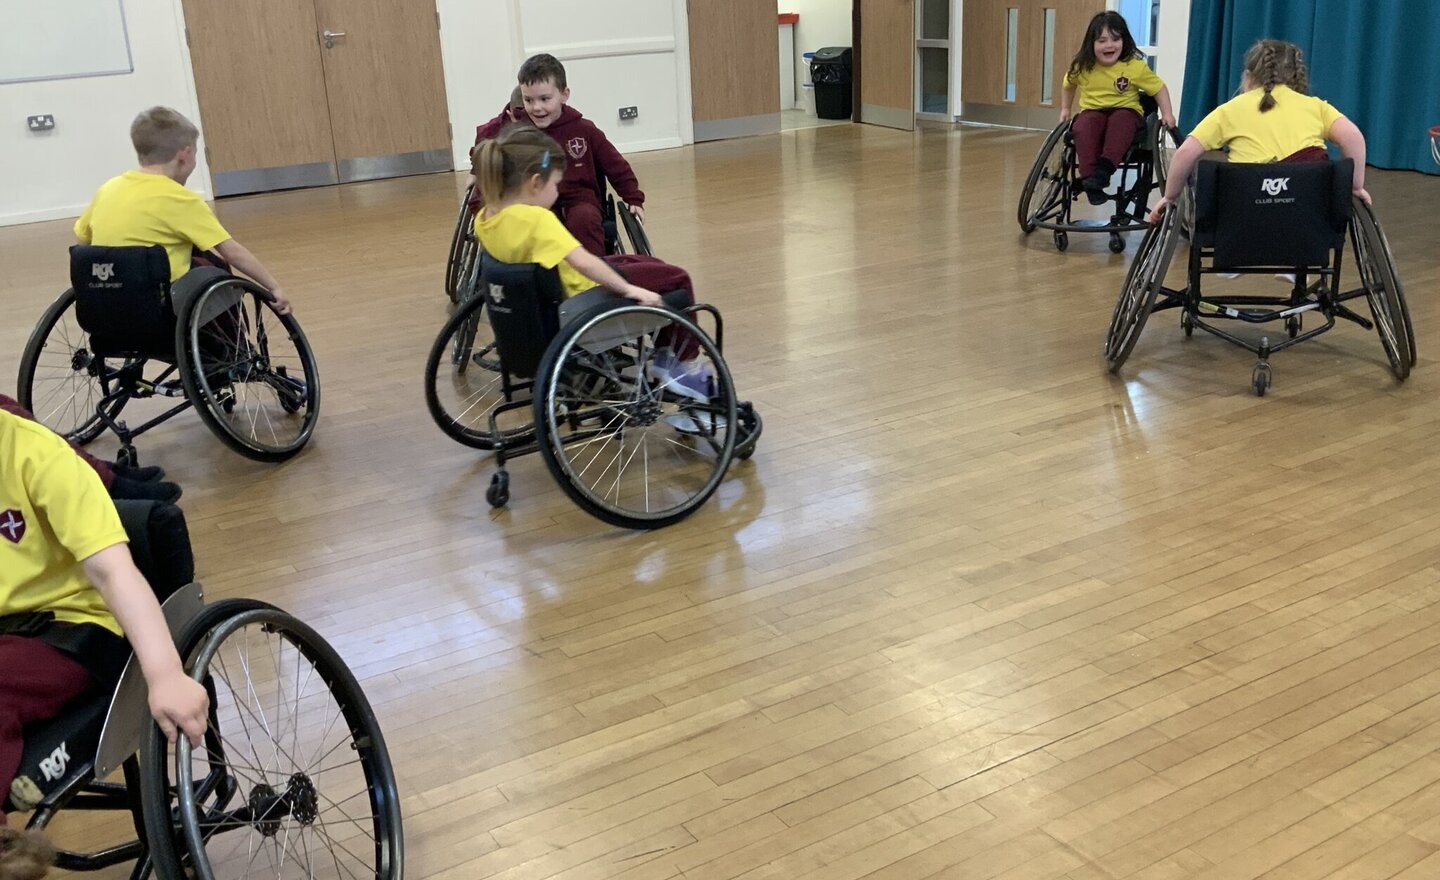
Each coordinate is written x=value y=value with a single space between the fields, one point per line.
x=816 y=25
x=297 y=93
x=885 y=37
x=1015 y=54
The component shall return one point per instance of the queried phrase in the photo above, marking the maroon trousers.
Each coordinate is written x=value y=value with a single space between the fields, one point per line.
x=1105 y=134
x=36 y=682
x=586 y=222
x=670 y=281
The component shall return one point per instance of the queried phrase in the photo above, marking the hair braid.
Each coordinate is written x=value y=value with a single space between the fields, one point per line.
x=1272 y=63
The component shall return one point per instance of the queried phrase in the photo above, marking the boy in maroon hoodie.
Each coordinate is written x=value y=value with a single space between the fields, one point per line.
x=587 y=151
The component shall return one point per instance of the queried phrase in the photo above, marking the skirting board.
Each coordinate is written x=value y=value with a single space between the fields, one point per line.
x=739 y=126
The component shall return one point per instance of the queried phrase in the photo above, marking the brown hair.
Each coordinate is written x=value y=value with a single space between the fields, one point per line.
x=543 y=68
x=1272 y=63
x=159 y=133
x=23 y=855
x=520 y=152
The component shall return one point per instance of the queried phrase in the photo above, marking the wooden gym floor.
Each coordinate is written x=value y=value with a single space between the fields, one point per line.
x=976 y=609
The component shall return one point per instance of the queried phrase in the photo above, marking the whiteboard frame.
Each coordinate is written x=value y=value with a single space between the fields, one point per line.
x=129 y=60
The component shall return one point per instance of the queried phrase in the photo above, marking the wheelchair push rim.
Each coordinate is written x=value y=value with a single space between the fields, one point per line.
x=620 y=439
x=1143 y=283
x=62 y=380
x=465 y=383
x=297 y=758
x=462 y=248
x=1386 y=298
x=249 y=372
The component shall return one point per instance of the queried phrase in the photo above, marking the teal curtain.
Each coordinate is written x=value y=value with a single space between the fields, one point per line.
x=1377 y=61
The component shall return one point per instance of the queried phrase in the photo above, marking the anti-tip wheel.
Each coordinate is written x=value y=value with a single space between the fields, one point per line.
x=498 y=494
x=1117 y=244
x=1062 y=241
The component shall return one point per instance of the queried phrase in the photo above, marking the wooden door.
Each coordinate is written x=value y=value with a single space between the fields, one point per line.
x=386 y=86
x=734 y=68
x=1009 y=47
x=886 y=38
x=263 y=106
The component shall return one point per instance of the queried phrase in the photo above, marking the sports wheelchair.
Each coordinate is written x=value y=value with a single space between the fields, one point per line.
x=1265 y=219
x=1052 y=188
x=513 y=371
x=292 y=779
x=214 y=343
x=624 y=234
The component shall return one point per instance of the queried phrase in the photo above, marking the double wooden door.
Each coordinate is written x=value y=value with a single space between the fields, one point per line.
x=1015 y=54
x=885 y=34
x=312 y=92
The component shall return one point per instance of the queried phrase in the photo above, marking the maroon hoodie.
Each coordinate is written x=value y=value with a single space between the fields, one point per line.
x=586 y=149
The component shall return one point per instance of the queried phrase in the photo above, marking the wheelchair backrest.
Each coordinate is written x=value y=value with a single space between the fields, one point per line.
x=122 y=298
x=1290 y=214
x=522 y=300
x=159 y=544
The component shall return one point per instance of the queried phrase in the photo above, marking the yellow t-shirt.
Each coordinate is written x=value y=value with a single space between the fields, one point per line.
x=54 y=512
x=139 y=208
x=531 y=234
x=1295 y=122
x=1119 y=85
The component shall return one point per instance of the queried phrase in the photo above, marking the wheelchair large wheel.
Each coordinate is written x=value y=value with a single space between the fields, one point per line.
x=464 y=382
x=1142 y=285
x=1045 y=188
x=62 y=381
x=618 y=433
x=635 y=240
x=249 y=372
x=1386 y=297
x=292 y=780
x=463 y=248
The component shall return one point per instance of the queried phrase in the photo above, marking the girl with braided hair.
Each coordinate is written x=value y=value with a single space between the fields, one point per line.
x=1273 y=119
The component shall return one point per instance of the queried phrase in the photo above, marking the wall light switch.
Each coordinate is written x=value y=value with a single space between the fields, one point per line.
x=629 y=113
x=44 y=122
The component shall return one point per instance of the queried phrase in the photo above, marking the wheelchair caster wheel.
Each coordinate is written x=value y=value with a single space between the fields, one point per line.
x=1062 y=241
x=1260 y=379
x=1292 y=326
x=499 y=492
x=127 y=457
x=750 y=428
x=1117 y=244
x=1187 y=324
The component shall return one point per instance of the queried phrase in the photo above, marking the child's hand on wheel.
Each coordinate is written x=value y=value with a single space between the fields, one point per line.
x=1168 y=121
x=644 y=297
x=279 y=304
x=639 y=212
x=1362 y=195
x=1065 y=114
x=180 y=704
x=1159 y=211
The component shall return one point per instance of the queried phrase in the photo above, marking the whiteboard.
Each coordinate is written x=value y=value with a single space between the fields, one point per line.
x=60 y=39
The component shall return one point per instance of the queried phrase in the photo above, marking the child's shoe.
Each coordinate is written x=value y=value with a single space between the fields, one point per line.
x=686 y=378
x=24 y=856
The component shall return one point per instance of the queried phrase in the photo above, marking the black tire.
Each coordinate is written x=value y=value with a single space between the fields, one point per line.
x=462 y=247
x=463 y=381
x=1143 y=282
x=1047 y=185
x=257 y=390
x=1117 y=243
x=61 y=380
x=751 y=427
x=1386 y=297
x=193 y=819
x=594 y=392
x=1062 y=241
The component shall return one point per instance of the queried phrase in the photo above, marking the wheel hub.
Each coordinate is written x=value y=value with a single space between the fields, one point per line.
x=266 y=809
x=303 y=798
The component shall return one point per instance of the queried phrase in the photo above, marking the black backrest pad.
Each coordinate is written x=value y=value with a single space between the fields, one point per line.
x=1289 y=214
x=159 y=544
x=121 y=298
x=522 y=300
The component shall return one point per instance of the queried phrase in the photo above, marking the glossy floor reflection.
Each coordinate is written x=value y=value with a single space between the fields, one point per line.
x=975 y=608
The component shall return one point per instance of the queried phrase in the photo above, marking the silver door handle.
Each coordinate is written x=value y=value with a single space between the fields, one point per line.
x=329 y=38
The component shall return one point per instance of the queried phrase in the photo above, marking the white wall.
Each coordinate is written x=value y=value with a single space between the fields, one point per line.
x=1174 y=39
x=53 y=174
x=822 y=23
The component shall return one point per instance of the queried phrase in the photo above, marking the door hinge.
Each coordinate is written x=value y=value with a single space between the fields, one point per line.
x=450 y=127
x=437 y=19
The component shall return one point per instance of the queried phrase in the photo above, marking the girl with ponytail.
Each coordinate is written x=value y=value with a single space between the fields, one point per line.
x=1272 y=119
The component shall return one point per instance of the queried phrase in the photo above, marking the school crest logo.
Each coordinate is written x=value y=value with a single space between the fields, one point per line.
x=577 y=147
x=1122 y=84
x=12 y=526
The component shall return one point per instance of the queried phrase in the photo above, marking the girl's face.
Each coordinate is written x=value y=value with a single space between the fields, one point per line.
x=1107 y=47
x=543 y=190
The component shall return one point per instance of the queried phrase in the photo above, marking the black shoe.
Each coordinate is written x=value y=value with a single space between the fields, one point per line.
x=142 y=474
x=136 y=490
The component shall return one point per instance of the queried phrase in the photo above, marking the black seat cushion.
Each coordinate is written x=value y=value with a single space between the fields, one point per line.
x=122 y=299
x=1272 y=214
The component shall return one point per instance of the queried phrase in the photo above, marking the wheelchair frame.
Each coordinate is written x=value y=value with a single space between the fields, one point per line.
x=1061 y=190
x=1380 y=286
x=124 y=380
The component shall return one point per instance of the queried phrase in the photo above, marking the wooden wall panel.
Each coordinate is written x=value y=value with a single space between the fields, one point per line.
x=889 y=55
x=734 y=59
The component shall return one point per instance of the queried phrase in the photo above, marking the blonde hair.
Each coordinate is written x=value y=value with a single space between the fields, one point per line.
x=520 y=152
x=159 y=133
x=1272 y=63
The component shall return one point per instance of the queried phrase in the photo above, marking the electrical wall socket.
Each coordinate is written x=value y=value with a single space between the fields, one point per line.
x=43 y=122
x=629 y=113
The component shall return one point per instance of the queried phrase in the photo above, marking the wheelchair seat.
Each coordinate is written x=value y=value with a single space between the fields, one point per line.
x=122 y=299
x=1290 y=215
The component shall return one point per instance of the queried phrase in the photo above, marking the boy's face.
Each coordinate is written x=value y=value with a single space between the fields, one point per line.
x=543 y=102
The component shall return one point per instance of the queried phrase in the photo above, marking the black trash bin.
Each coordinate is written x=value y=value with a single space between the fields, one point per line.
x=830 y=72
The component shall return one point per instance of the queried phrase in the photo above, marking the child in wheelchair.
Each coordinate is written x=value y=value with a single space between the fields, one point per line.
x=150 y=205
x=544 y=96
x=70 y=596
x=1109 y=73
x=1273 y=119
x=519 y=175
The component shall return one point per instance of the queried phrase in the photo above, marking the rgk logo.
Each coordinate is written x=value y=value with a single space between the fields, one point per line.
x=102 y=271
x=53 y=767
x=497 y=293
x=1274 y=186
